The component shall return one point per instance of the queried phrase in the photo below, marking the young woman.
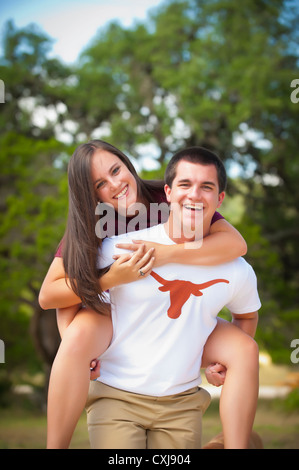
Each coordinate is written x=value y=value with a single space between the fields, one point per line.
x=98 y=172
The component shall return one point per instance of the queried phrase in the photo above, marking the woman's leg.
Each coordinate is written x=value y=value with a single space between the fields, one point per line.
x=86 y=338
x=238 y=352
x=65 y=316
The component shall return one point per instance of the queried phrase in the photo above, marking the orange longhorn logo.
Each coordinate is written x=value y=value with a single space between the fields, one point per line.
x=180 y=292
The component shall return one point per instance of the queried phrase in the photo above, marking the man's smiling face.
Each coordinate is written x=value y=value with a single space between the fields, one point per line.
x=194 y=197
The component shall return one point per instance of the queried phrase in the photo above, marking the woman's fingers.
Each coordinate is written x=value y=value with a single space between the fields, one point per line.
x=122 y=258
x=134 y=256
x=142 y=261
x=147 y=268
x=137 y=255
x=139 y=262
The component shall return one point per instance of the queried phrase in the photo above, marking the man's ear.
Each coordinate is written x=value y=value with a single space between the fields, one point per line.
x=220 y=198
x=167 y=190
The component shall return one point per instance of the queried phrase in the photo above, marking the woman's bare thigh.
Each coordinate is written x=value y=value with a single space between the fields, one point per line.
x=90 y=332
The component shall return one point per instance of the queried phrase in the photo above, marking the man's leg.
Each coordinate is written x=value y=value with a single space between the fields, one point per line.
x=177 y=423
x=115 y=418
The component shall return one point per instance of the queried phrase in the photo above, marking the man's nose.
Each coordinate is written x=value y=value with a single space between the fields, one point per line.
x=195 y=193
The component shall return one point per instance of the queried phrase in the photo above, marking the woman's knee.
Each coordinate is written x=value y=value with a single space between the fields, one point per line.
x=243 y=352
x=250 y=350
x=230 y=346
x=85 y=332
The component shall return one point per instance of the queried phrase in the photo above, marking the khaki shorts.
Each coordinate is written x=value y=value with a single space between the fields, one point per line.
x=123 y=420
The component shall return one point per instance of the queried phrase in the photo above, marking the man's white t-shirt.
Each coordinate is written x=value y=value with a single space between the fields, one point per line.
x=161 y=323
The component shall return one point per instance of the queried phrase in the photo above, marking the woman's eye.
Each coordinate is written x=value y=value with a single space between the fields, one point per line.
x=100 y=185
x=115 y=170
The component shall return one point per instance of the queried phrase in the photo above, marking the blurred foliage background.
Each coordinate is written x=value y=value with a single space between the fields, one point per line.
x=213 y=73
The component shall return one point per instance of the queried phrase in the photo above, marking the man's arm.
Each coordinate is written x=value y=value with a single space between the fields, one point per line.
x=246 y=322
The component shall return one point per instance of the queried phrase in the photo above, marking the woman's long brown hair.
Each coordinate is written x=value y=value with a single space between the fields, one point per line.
x=81 y=244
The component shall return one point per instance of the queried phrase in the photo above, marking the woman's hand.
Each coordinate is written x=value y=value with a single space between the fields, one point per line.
x=215 y=374
x=162 y=252
x=131 y=267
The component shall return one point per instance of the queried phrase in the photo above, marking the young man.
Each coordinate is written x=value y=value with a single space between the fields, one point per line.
x=148 y=394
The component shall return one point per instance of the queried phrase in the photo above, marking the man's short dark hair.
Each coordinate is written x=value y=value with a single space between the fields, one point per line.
x=196 y=155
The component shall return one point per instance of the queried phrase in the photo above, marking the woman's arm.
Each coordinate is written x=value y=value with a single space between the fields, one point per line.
x=56 y=292
x=223 y=244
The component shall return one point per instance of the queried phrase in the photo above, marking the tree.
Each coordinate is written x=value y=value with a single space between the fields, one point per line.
x=215 y=74
x=33 y=197
x=195 y=73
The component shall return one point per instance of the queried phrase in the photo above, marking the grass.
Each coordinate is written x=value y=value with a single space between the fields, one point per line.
x=278 y=429
x=26 y=429
x=23 y=427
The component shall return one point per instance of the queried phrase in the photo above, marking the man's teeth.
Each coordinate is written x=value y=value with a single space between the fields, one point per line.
x=122 y=193
x=197 y=207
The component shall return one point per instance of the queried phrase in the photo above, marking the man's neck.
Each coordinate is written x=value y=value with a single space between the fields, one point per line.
x=178 y=236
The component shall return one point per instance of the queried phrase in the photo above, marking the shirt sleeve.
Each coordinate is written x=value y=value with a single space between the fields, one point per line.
x=58 y=253
x=216 y=216
x=245 y=298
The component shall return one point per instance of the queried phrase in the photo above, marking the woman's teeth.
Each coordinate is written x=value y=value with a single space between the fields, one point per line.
x=122 y=193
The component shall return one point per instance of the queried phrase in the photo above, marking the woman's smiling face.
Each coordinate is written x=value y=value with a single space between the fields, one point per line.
x=113 y=182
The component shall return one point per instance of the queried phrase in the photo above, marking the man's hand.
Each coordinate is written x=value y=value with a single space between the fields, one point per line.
x=95 y=369
x=215 y=374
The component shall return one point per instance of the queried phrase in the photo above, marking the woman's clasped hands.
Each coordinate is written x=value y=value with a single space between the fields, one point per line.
x=130 y=267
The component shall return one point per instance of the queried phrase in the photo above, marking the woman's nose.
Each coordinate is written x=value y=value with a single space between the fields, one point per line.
x=114 y=184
